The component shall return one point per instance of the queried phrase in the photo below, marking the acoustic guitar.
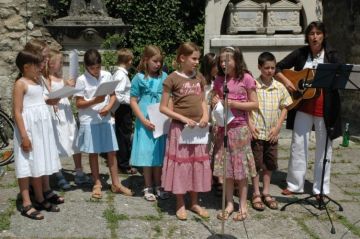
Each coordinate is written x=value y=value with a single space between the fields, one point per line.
x=300 y=79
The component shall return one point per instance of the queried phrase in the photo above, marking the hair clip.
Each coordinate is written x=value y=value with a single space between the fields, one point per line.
x=229 y=48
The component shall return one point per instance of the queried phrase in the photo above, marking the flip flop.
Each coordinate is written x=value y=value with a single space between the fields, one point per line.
x=240 y=216
x=96 y=192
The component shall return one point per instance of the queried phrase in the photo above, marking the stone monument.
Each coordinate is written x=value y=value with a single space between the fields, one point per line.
x=86 y=25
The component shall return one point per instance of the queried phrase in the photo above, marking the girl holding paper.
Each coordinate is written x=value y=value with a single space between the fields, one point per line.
x=64 y=122
x=96 y=132
x=242 y=97
x=186 y=166
x=147 y=151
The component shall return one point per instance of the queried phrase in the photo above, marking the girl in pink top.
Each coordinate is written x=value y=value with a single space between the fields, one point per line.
x=241 y=99
x=186 y=166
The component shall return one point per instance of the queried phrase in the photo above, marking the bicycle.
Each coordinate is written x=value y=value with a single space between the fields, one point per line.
x=6 y=139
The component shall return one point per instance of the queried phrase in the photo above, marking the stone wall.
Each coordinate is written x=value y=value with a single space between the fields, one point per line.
x=344 y=35
x=19 y=21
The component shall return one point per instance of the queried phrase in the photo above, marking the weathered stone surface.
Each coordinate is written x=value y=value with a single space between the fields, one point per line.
x=15 y=23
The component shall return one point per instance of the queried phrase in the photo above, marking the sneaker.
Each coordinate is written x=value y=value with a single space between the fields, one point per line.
x=82 y=179
x=62 y=183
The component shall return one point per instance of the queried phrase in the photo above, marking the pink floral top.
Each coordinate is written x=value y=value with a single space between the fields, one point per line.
x=237 y=91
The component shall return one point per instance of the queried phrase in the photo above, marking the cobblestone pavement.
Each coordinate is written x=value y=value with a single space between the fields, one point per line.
x=117 y=216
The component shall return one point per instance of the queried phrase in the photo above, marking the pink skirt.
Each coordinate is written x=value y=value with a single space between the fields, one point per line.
x=186 y=166
x=240 y=163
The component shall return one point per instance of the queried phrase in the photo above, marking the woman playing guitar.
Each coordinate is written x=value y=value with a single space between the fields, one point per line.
x=322 y=111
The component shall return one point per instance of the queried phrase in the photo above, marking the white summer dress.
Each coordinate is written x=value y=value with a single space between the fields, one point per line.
x=43 y=159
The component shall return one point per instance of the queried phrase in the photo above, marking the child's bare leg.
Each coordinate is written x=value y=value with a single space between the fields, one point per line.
x=77 y=161
x=157 y=175
x=266 y=181
x=180 y=206
x=24 y=191
x=116 y=186
x=45 y=183
x=148 y=176
x=37 y=184
x=229 y=195
x=94 y=166
x=256 y=184
x=243 y=187
x=113 y=168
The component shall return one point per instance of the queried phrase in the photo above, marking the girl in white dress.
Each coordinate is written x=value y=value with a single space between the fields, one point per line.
x=64 y=123
x=34 y=142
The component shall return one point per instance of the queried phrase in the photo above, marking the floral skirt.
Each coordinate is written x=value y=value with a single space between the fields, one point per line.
x=240 y=162
x=186 y=166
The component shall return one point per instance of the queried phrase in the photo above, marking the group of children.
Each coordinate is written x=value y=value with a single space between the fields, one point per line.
x=46 y=128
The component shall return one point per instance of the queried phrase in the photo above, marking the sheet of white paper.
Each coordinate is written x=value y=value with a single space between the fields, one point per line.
x=218 y=113
x=66 y=91
x=106 y=88
x=161 y=121
x=194 y=135
x=73 y=64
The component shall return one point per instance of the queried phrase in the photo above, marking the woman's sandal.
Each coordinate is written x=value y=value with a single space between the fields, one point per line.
x=121 y=189
x=96 y=192
x=225 y=216
x=35 y=215
x=200 y=211
x=271 y=203
x=52 y=197
x=240 y=216
x=149 y=195
x=47 y=206
x=257 y=205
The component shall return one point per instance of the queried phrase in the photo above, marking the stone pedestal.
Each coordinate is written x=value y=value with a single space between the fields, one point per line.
x=283 y=16
x=246 y=16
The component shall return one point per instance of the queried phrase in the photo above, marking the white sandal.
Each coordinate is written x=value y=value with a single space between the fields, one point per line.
x=149 y=195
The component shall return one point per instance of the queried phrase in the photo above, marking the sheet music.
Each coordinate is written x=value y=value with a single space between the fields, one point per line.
x=66 y=91
x=106 y=88
x=73 y=64
x=196 y=135
x=161 y=121
x=218 y=113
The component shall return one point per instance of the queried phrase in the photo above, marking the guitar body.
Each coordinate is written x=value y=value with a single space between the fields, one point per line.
x=299 y=78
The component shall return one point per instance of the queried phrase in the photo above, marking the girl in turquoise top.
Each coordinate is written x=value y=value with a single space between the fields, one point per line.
x=146 y=89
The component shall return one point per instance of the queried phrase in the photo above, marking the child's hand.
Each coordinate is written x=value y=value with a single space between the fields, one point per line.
x=104 y=111
x=274 y=134
x=53 y=101
x=191 y=123
x=148 y=124
x=99 y=99
x=26 y=145
x=254 y=131
x=203 y=122
x=70 y=82
x=215 y=100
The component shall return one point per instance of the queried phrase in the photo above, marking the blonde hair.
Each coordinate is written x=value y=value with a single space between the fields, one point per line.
x=53 y=53
x=124 y=55
x=35 y=45
x=185 y=49
x=150 y=51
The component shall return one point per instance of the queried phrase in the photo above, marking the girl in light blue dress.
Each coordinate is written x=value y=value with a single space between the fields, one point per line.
x=147 y=151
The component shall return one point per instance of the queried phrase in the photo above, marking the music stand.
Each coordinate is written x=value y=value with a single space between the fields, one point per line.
x=327 y=76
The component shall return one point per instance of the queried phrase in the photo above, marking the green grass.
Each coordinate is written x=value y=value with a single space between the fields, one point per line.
x=306 y=229
x=13 y=184
x=6 y=215
x=158 y=231
x=171 y=231
x=350 y=226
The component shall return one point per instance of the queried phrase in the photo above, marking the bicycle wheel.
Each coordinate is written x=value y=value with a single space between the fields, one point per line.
x=6 y=139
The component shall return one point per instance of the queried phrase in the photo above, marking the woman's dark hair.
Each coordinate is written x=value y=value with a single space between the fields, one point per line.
x=27 y=57
x=240 y=65
x=318 y=25
x=207 y=64
x=92 y=57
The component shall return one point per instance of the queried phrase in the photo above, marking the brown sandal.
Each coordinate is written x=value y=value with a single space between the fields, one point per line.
x=121 y=189
x=271 y=203
x=225 y=216
x=240 y=216
x=259 y=205
x=200 y=211
x=96 y=192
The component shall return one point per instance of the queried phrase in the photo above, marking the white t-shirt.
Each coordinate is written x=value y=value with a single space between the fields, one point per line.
x=89 y=84
x=122 y=90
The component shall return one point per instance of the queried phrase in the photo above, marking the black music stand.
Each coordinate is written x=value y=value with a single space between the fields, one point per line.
x=328 y=76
